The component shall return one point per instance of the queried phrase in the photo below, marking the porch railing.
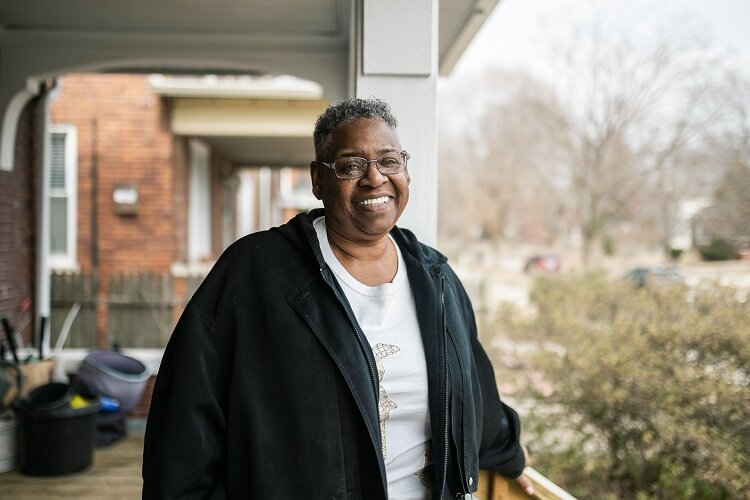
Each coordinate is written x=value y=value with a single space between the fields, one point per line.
x=493 y=486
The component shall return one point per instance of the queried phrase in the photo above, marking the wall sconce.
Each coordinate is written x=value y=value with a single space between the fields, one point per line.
x=125 y=197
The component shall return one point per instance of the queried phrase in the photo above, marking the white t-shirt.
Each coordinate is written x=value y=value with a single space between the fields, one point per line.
x=388 y=317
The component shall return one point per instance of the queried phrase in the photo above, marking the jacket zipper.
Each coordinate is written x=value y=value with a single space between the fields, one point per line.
x=362 y=345
x=460 y=459
x=365 y=347
x=445 y=384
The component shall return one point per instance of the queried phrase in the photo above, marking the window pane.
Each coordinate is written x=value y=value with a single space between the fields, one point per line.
x=57 y=161
x=58 y=225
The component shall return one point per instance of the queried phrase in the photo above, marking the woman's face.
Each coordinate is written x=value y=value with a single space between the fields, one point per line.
x=365 y=209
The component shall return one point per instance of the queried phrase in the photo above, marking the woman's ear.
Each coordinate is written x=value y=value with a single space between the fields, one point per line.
x=315 y=178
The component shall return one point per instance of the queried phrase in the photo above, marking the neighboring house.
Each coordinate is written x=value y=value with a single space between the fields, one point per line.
x=151 y=178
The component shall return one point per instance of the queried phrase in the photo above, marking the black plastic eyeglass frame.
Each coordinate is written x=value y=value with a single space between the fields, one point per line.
x=376 y=161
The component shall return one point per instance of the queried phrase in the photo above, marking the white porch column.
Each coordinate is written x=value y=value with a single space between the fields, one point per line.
x=395 y=48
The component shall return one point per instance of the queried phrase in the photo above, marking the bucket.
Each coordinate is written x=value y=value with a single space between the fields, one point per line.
x=55 y=438
x=49 y=396
x=8 y=426
x=116 y=375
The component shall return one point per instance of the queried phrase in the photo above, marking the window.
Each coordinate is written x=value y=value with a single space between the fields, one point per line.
x=62 y=182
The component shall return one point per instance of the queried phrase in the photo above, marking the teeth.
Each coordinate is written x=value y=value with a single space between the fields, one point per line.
x=375 y=201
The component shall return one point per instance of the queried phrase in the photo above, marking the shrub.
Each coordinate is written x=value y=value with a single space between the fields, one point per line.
x=650 y=388
x=718 y=250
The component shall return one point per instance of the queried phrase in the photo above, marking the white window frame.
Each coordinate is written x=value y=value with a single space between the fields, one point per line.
x=69 y=260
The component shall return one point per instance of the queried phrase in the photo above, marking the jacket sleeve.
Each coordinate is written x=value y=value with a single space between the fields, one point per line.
x=500 y=447
x=184 y=448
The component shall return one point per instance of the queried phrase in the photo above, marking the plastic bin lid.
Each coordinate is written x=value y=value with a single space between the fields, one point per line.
x=53 y=401
x=117 y=365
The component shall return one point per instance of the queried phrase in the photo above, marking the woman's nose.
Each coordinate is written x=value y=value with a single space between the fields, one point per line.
x=373 y=177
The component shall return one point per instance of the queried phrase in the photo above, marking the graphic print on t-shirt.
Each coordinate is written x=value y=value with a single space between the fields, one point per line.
x=385 y=404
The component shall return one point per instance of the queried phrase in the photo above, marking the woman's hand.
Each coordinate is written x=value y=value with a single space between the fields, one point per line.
x=523 y=481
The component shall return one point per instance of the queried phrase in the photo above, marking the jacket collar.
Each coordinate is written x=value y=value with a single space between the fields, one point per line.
x=301 y=233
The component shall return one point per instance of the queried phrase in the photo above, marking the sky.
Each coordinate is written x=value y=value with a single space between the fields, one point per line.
x=519 y=34
x=514 y=34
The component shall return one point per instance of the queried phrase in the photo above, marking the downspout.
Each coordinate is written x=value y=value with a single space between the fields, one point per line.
x=47 y=92
x=101 y=312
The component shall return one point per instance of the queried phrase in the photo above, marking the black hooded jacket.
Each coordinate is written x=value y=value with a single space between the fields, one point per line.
x=268 y=388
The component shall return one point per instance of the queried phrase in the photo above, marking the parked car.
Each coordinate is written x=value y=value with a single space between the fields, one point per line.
x=543 y=262
x=660 y=275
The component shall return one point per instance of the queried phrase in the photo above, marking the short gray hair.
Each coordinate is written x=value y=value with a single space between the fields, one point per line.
x=345 y=111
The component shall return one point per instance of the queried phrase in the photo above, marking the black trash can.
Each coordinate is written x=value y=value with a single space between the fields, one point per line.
x=55 y=438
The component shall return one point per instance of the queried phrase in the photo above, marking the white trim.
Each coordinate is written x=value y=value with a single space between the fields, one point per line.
x=9 y=127
x=479 y=14
x=43 y=279
x=246 y=203
x=285 y=182
x=237 y=87
x=264 y=199
x=68 y=261
x=228 y=212
x=544 y=488
x=408 y=54
x=199 y=202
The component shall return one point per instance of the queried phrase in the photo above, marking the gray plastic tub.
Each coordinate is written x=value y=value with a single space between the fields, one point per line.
x=113 y=374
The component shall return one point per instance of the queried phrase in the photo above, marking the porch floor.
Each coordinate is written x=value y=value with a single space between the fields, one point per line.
x=114 y=474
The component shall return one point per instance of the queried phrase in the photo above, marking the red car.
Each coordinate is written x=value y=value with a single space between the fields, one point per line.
x=546 y=262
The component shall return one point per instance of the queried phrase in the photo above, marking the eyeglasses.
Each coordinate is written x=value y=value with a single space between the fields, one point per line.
x=352 y=167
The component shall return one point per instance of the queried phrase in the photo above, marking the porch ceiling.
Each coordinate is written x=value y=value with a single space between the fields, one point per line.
x=42 y=39
x=265 y=151
x=200 y=17
x=245 y=117
x=286 y=24
x=252 y=132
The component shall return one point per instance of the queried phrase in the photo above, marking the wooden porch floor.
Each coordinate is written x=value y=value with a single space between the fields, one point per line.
x=114 y=474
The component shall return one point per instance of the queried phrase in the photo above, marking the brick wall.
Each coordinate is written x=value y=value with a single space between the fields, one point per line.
x=17 y=225
x=124 y=138
x=123 y=132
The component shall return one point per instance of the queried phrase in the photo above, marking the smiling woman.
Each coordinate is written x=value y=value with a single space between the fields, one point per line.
x=336 y=349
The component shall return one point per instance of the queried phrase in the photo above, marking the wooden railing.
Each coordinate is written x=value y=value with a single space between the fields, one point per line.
x=493 y=486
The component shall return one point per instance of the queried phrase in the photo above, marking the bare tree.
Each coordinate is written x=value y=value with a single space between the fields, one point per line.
x=631 y=108
x=492 y=173
x=614 y=133
x=729 y=216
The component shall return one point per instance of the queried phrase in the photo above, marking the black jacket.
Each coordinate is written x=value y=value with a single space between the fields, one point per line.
x=268 y=388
